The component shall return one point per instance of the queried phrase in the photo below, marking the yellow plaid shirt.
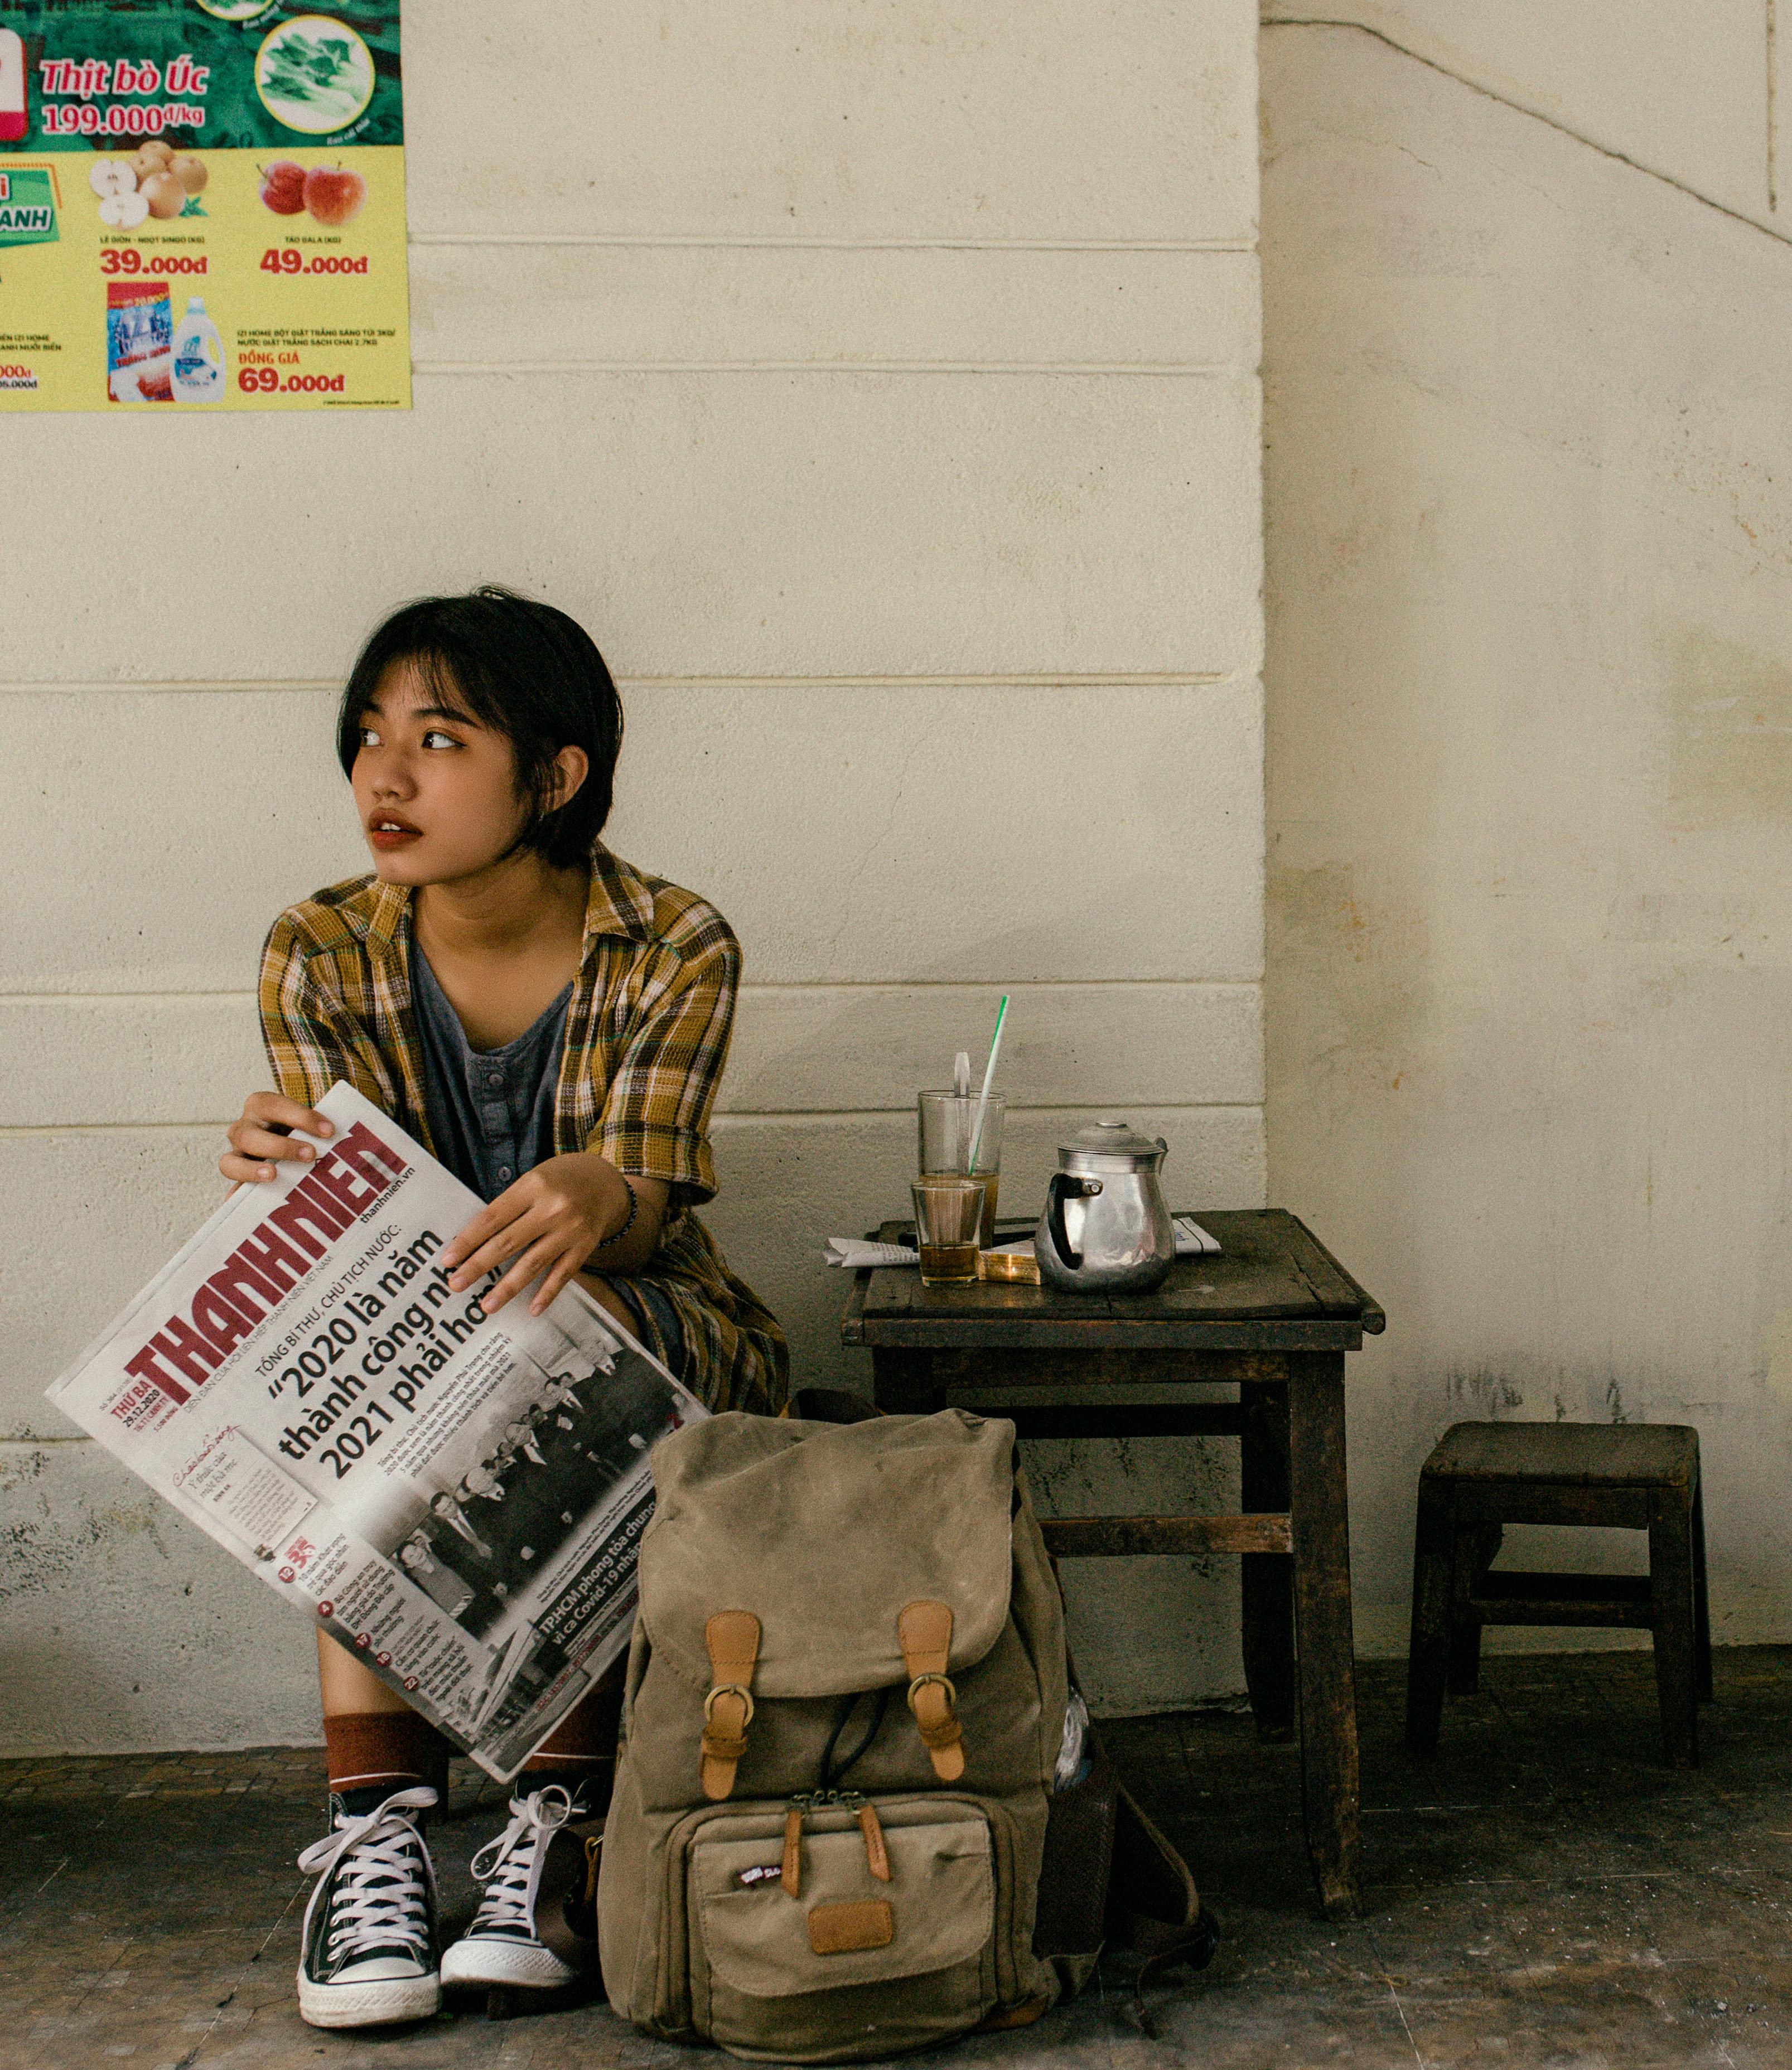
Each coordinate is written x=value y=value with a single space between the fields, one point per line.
x=647 y=1036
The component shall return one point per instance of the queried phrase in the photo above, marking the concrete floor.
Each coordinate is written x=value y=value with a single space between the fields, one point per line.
x=1547 y=1897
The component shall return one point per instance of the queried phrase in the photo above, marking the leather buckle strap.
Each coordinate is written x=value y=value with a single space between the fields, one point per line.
x=729 y=1689
x=925 y=1632
x=732 y=1638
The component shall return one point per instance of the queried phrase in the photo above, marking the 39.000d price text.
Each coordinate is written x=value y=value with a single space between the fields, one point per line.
x=126 y=259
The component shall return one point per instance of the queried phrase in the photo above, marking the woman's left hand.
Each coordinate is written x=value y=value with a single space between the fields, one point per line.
x=550 y=1221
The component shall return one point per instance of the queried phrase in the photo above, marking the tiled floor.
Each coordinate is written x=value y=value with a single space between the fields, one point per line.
x=1546 y=1897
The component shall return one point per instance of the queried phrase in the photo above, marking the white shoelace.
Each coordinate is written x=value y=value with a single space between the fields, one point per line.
x=510 y=1866
x=378 y=1899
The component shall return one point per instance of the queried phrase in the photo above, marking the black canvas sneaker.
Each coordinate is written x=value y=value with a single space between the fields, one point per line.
x=371 y=1947
x=538 y=1875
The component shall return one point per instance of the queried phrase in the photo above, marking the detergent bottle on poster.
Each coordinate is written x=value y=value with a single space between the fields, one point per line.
x=198 y=357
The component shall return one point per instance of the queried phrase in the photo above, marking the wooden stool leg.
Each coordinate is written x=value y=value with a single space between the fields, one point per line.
x=1671 y=1586
x=1476 y=1550
x=1267 y=1578
x=1428 y=1654
x=1701 y=1600
x=1464 y=1676
x=1319 y=1510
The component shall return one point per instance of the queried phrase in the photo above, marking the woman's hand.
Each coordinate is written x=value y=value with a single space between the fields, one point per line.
x=261 y=1140
x=551 y=1220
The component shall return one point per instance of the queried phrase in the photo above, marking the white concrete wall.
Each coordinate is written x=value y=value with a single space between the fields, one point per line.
x=879 y=385
x=1530 y=690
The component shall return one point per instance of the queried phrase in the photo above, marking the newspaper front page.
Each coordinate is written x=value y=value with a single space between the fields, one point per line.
x=455 y=1497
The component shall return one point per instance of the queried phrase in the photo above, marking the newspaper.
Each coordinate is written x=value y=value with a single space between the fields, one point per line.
x=454 y=1496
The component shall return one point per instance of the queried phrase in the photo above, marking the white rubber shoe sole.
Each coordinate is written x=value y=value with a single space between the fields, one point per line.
x=381 y=2002
x=473 y=1960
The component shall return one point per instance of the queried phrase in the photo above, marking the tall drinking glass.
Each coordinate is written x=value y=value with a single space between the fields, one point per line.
x=951 y=1148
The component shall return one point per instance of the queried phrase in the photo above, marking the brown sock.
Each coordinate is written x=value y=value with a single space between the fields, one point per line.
x=582 y=1748
x=381 y=1751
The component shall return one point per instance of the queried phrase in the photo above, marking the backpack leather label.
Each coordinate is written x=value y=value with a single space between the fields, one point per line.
x=839 y=1929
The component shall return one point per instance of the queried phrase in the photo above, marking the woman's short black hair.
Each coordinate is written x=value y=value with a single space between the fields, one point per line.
x=526 y=670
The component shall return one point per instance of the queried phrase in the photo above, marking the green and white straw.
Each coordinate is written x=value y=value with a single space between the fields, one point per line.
x=988 y=1075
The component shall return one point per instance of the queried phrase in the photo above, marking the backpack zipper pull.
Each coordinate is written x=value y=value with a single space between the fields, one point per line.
x=876 y=1855
x=789 y=1873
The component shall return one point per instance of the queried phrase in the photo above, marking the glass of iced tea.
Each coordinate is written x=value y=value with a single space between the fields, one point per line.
x=947 y=1216
x=948 y=1138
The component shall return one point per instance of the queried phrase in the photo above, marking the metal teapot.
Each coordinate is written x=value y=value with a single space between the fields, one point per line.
x=1106 y=1228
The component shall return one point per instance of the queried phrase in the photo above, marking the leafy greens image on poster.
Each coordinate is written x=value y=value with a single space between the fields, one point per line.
x=315 y=75
x=201 y=205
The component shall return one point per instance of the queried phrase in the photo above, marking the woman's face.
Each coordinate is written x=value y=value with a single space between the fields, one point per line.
x=436 y=791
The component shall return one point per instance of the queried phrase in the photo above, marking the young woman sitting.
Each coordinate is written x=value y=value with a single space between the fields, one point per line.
x=552 y=1023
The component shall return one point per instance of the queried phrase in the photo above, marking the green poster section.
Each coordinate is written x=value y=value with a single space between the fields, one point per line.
x=306 y=65
x=27 y=208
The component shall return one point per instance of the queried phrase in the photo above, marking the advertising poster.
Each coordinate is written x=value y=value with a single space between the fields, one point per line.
x=201 y=205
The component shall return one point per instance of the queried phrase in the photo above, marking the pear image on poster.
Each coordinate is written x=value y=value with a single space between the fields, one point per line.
x=197 y=373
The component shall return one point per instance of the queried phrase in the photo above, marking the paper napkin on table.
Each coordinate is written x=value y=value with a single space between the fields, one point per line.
x=1192 y=1240
x=855 y=1253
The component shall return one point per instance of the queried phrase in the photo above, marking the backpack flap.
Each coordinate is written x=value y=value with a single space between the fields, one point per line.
x=781 y=1519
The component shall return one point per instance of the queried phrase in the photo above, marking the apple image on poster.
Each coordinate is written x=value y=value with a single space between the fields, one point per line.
x=334 y=194
x=283 y=187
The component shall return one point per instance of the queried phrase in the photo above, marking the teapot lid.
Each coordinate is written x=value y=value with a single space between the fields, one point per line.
x=1113 y=1139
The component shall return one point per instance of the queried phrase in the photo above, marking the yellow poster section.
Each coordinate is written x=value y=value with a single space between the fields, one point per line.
x=299 y=258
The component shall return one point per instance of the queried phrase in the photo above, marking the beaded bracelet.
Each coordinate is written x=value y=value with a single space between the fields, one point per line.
x=617 y=1235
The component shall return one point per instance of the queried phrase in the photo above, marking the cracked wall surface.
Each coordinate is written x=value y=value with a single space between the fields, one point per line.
x=880 y=385
x=1691 y=92
x=1529 y=592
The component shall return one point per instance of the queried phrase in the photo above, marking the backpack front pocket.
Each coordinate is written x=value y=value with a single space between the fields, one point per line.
x=853 y=1963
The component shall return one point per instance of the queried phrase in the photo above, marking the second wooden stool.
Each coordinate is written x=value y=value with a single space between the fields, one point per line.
x=1483 y=1476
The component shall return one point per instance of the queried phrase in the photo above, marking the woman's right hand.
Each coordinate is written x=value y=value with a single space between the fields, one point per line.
x=261 y=1140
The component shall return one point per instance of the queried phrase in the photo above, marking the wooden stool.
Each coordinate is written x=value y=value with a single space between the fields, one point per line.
x=1644 y=1476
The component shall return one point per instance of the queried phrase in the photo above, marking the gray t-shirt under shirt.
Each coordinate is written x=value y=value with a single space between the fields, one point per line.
x=491 y=1111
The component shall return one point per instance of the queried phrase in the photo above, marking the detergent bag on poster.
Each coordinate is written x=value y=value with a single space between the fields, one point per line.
x=457 y=1497
x=140 y=337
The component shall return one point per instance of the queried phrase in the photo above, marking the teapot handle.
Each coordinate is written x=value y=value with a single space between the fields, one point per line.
x=1061 y=1187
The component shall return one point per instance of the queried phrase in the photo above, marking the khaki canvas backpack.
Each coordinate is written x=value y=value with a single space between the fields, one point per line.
x=845 y=1702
